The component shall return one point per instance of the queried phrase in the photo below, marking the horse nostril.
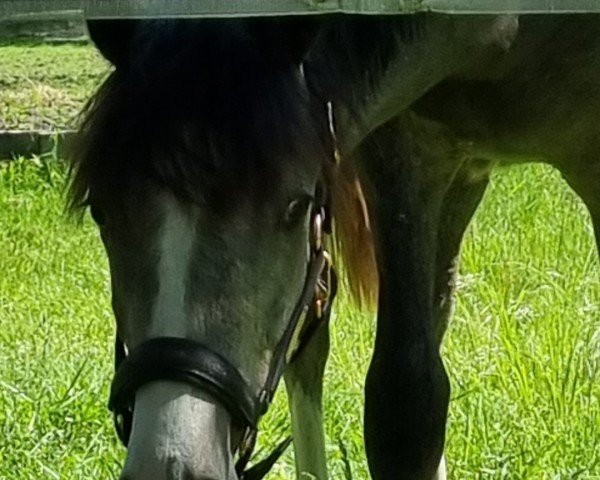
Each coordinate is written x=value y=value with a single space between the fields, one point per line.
x=178 y=470
x=187 y=475
x=190 y=476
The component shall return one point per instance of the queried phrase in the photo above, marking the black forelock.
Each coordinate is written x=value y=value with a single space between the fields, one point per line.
x=205 y=107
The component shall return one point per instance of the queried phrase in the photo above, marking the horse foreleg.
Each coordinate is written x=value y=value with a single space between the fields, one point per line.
x=407 y=390
x=421 y=202
x=304 y=384
x=460 y=203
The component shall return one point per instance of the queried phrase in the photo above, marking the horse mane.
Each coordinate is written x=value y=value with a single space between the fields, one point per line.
x=353 y=237
x=354 y=52
x=351 y=57
x=211 y=109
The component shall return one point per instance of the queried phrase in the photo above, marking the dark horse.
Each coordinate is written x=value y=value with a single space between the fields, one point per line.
x=205 y=154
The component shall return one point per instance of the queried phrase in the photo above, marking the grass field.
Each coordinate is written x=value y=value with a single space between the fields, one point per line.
x=523 y=350
x=44 y=86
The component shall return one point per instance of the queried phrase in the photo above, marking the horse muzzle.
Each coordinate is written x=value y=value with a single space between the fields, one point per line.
x=179 y=432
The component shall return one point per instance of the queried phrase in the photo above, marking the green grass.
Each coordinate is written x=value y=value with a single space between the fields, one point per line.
x=523 y=350
x=45 y=86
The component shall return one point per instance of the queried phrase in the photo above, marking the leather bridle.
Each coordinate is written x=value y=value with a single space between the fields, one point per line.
x=190 y=362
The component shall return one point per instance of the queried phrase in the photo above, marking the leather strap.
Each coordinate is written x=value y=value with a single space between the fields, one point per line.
x=187 y=361
x=281 y=352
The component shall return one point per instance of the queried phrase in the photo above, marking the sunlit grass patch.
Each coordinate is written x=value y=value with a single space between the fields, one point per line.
x=524 y=346
x=54 y=333
x=44 y=87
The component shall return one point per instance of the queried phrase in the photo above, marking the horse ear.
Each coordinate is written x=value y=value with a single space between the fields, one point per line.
x=290 y=37
x=113 y=39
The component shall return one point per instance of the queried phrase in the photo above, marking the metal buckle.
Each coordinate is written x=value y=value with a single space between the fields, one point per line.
x=317 y=231
x=323 y=286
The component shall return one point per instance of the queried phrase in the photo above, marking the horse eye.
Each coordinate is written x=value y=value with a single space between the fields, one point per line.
x=97 y=215
x=296 y=210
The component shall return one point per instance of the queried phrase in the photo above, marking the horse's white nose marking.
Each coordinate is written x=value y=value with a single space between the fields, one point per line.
x=178 y=432
x=176 y=242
